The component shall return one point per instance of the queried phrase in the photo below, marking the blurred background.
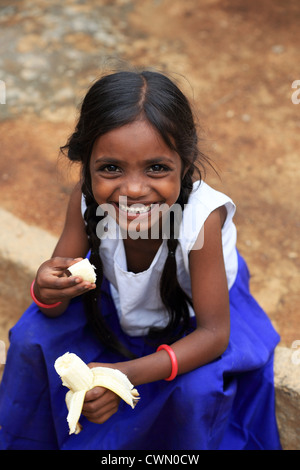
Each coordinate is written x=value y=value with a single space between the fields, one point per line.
x=235 y=59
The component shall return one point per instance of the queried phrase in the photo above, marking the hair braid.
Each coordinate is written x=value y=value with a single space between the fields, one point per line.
x=173 y=296
x=92 y=298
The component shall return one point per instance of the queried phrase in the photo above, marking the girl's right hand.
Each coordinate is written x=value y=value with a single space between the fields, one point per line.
x=52 y=284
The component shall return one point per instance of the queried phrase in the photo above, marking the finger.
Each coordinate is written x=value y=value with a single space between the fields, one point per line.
x=102 y=416
x=62 y=291
x=53 y=282
x=91 y=365
x=94 y=394
x=54 y=268
x=58 y=266
x=60 y=263
x=97 y=411
x=100 y=398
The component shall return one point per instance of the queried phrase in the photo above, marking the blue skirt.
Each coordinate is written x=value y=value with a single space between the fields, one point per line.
x=226 y=404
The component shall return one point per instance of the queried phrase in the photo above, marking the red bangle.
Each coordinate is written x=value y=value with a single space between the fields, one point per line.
x=40 y=304
x=173 y=360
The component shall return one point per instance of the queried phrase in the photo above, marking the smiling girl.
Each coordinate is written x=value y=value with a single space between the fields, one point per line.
x=172 y=313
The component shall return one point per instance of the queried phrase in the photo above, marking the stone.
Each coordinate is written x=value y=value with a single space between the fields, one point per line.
x=287 y=389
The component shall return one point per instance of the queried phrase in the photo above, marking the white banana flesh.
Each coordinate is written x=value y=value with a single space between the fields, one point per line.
x=74 y=402
x=79 y=378
x=83 y=269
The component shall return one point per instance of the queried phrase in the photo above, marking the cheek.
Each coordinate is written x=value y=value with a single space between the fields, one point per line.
x=100 y=190
x=174 y=188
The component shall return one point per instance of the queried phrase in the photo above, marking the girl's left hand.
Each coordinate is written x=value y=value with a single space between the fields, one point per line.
x=100 y=404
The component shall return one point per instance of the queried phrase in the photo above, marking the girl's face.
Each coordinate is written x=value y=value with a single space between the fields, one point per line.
x=133 y=170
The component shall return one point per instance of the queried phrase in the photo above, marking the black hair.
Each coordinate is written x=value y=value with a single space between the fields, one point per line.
x=113 y=101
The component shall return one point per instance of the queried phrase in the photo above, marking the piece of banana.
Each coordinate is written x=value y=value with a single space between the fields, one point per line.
x=79 y=378
x=83 y=269
x=74 y=402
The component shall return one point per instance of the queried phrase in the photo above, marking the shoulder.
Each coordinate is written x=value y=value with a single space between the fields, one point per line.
x=203 y=201
x=204 y=195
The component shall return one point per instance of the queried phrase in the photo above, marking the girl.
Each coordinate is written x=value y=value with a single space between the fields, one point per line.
x=210 y=385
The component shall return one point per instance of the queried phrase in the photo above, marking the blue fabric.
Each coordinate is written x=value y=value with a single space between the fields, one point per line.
x=227 y=404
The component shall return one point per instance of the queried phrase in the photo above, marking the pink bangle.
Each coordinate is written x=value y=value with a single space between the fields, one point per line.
x=40 y=304
x=173 y=360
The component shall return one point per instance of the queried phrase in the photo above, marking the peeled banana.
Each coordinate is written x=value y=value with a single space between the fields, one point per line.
x=79 y=378
x=83 y=269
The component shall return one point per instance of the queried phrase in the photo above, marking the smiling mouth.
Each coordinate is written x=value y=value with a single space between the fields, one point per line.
x=135 y=209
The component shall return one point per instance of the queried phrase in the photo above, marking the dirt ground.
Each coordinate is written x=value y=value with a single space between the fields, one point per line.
x=235 y=59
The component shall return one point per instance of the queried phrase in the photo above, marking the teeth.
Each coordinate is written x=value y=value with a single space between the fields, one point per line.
x=134 y=209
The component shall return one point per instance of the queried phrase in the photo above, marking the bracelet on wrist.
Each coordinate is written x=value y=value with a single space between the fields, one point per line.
x=173 y=358
x=40 y=304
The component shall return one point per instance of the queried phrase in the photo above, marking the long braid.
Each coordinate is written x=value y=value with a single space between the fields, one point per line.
x=92 y=299
x=173 y=296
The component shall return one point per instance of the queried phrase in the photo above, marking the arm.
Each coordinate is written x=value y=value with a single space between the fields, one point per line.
x=51 y=285
x=207 y=342
x=73 y=242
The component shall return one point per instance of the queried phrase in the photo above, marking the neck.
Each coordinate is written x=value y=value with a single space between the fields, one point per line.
x=140 y=253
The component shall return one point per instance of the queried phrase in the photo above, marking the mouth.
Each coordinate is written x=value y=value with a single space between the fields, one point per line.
x=135 y=208
x=132 y=211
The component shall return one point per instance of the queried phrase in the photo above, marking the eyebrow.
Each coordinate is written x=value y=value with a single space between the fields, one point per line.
x=149 y=161
x=105 y=159
x=161 y=159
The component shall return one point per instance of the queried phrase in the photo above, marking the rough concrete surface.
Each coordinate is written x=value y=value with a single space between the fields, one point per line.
x=235 y=59
x=287 y=386
x=19 y=265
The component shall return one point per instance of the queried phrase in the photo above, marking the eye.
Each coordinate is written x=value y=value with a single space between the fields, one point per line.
x=110 y=168
x=158 y=168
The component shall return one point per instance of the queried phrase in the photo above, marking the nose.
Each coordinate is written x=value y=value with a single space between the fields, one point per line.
x=134 y=187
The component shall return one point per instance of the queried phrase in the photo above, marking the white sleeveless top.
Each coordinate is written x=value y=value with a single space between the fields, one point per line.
x=136 y=295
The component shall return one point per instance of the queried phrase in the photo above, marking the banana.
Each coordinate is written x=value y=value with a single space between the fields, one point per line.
x=83 y=269
x=74 y=373
x=74 y=402
x=117 y=382
x=79 y=378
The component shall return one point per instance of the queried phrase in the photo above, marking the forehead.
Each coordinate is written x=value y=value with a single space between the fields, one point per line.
x=137 y=138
